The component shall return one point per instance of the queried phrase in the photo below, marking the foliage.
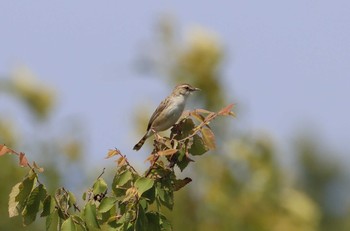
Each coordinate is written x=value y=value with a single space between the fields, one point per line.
x=133 y=201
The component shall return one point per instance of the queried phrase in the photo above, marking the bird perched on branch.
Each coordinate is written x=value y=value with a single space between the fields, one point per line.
x=168 y=112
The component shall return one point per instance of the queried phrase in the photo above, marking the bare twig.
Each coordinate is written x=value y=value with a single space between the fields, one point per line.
x=103 y=171
x=206 y=121
x=127 y=162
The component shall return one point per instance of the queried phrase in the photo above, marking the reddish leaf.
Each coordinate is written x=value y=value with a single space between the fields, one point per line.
x=112 y=152
x=23 y=162
x=167 y=152
x=197 y=116
x=121 y=161
x=4 y=150
x=209 y=138
x=226 y=110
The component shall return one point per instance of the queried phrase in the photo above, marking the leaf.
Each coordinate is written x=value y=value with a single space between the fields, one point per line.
x=100 y=186
x=197 y=116
x=183 y=129
x=182 y=161
x=149 y=195
x=122 y=178
x=143 y=184
x=112 y=152
x=68 y=225
x=178 y=184
x=167 y=152
x=13 y=209
x=36 y=196
x=90 y=216
x=106 y=204
x=48 y=206
x=121 y=161
x=198 y=147
x=23 y=162
x=153 y=221
x=25 y=187
x=208 y=138
x=165 y=195
x=141 y=220
x=79 y=222
x=52 y=221
x=202 y=111
x=165 y=223
x=37 y=167
x=226 y=110
x=72 y=199
x=4 y=149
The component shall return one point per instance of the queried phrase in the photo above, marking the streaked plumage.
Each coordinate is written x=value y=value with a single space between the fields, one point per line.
x=168 y=112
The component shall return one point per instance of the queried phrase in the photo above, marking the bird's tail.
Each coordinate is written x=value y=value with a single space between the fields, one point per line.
x=141 y=142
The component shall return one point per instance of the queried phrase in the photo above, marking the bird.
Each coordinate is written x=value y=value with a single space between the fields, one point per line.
x=168 y=112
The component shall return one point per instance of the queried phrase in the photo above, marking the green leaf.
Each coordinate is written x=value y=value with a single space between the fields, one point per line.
x=79 y=223
x=178 y=184
x=90 y=216
x=72 y=199
x=149 y=195
x=165 y=224
x=68 y=225
x=208 y=138
x=198 y=147
x=106 y=204
x=48 y=206
x=143 y=184
x=52 y=221
x=36 y=196
x=122 y=178
x=141 y=220
x=165 y=195
x=25 y=188
x=153 y=221
x=13 y=209
x=99 y=186
x=183 y=129
x=182 y=160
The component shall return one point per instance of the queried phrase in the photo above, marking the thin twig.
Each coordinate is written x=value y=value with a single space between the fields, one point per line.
x=103 y=171
x=196 y=129
x=152 y=166
x=127 y=162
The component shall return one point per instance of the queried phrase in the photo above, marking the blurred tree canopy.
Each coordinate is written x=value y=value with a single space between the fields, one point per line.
x=241 y=185
x=37 y=101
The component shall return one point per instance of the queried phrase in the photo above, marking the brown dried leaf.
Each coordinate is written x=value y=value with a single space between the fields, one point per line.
x=197 y=116
x=208 y=138
x=226 y=110
x=121 y=161
x=23 y=162
x=112 y=152
x=167 y=152
x=202 y=111
x=4 y=149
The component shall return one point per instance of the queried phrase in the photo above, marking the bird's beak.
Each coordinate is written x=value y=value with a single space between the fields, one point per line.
x=196 y=89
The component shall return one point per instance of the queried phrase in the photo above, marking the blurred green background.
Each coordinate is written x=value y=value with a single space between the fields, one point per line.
x=254 y=180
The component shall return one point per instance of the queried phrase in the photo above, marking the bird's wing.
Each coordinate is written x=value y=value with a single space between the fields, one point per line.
x=159 y=109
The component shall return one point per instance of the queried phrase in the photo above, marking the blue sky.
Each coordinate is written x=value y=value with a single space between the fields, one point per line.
x=288 y=63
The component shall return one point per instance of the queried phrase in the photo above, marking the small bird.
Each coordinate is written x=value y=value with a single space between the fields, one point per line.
x=168 y=112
